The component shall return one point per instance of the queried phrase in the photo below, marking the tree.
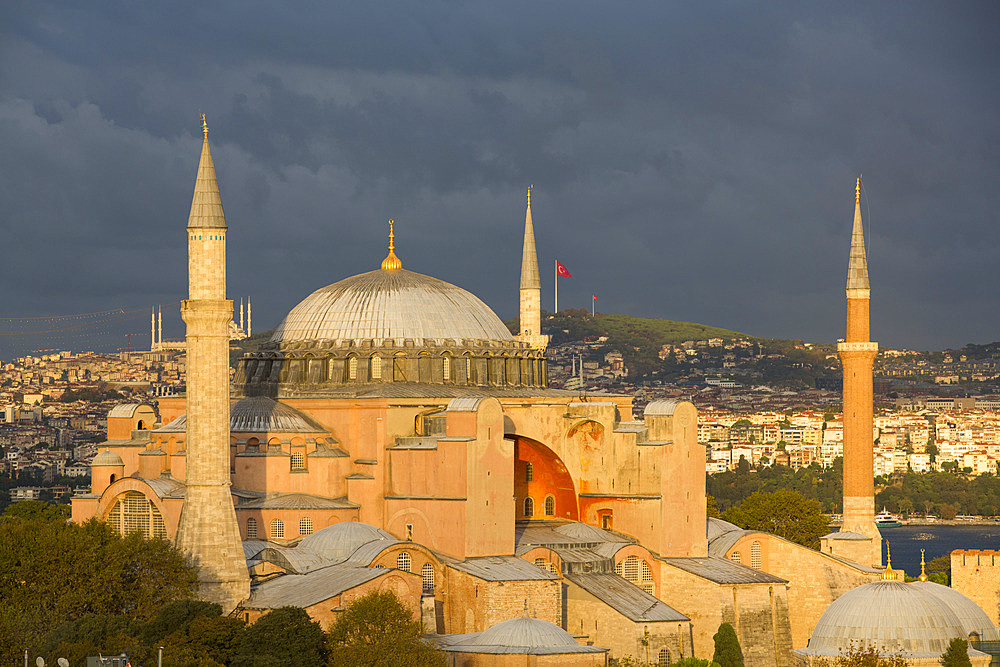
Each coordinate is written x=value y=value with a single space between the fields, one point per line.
x=285 y=636
x=785 y=513
x=939 y=570
x=870 y=656
x=957 y=654
x=727 y=647
x=377 y=629
x=710 y=507
x=694 y=662
x=53 y=571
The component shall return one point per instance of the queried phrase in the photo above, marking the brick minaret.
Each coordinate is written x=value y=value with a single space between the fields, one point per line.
x=857 y=354
x=531 y=288
x=208 y=529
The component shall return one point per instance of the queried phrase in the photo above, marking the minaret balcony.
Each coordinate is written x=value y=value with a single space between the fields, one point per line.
x=865 y=346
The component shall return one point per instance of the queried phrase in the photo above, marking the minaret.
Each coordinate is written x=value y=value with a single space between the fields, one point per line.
x=857 y=354
x=531 y=288
x=207 y=530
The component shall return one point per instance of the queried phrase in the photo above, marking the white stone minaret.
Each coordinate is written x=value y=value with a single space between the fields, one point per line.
x=208 y=531
x=531 y=288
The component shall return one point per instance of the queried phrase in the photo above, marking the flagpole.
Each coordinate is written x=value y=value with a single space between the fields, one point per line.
x=591 y=306
x=556 y=282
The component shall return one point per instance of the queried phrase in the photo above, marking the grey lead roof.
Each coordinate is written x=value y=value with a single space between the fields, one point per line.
x=502 y=568
x=391 y=304
x=723 y=571
x=304 y=590
x=258 y=414
x=626 y=598
x=520 y=636
x=300 y=501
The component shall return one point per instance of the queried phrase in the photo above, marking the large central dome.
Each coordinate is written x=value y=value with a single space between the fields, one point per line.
x=391 y=305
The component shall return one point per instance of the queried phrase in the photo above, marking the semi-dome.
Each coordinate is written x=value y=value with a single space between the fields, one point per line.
x=529 y=636
x=391 y=304
x=341 y=540
x=888 y=615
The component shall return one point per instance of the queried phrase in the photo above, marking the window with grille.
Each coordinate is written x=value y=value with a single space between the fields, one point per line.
x=298 y=461
x=134 y=513
x=305 y=526
x=427 y=574
x=550 y=506
x=649 y=588
x=618 y=568
x=446 y=368
x=529 y=507
x=529 y=472
x=631 y=569
x=552 y=568
x=251 y=528
x=376 y=367
x=755 y=555
x=663 y=658
x=352 y=368
x=647 y=574
x=277 y=529
x=540 y=562
x=735 y=557
x=403 y=561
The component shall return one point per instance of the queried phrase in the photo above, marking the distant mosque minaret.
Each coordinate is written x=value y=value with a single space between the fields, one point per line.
x=531 y=288
x=207 y=530
x=859 y=538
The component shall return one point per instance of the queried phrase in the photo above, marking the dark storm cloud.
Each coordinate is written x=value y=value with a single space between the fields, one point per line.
x=691 y=161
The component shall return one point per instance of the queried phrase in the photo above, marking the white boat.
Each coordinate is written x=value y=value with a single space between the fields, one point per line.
x=886 y=520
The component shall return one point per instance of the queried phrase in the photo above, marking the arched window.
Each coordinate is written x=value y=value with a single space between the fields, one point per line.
x=376 y=367
x=403 y=561
x=755 y=555
x=540 y=562
x=251 y=528
x=446 y=368
x=647 y=574
x=529 y=472
x=298 y=461
x=735 y=557
x=134 y=513
x=529 y=507
x=663 y=658
x=305 y=526
x=618 y=568
x=550 y=506
x=277 y=529
x=427 y=574
x=352 y=368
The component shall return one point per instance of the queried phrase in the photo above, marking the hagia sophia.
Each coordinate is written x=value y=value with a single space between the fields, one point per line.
x=394 y=435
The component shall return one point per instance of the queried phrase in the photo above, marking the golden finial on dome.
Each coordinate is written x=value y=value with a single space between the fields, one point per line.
x=529 y=195
x=888 y=574
x=857 y=192
x=204 y=126
x=391 y=261
x=923 y=572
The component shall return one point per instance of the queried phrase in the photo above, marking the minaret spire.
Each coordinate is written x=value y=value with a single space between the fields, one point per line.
x=857 y=268
x=859 y=538
x=207 y=530
x=529 y=256
x=531 y=287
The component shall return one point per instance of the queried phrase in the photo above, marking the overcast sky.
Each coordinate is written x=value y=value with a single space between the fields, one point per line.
x=692 y=161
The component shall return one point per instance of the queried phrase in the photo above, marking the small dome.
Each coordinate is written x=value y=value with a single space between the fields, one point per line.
x=107 y=458
x=525 y=632
x=714 y=527
x=887 y=614
x=339 y=541
x=391 y=304
x=260 y=414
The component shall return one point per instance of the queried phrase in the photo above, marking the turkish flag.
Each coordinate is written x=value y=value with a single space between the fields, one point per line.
x=562 y=271
x=595 y=297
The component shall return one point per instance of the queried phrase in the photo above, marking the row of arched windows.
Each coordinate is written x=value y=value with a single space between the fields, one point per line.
x=276 y=529
x=405 y=563
x=490 y=370
x=637 y=571
x=756 y=561
x=550 y=506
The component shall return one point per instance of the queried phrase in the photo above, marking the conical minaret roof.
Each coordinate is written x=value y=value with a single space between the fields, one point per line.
x=857 y=268
x=529 y=256
x=206 y=206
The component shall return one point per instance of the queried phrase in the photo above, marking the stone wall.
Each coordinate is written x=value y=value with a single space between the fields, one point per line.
x=476 y=604
x=976 y=574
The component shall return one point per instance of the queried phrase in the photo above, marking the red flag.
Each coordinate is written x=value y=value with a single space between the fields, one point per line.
x=595 y=297
x=562 y=271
